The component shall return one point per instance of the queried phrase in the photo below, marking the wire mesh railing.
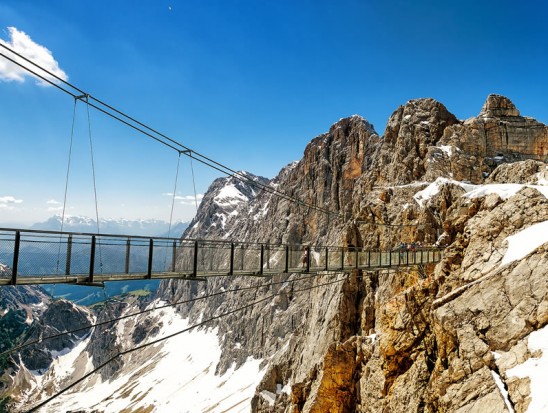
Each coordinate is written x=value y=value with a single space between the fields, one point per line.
x=40 y=257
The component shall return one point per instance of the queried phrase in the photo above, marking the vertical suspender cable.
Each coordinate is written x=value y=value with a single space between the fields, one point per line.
x=196 y=203
x=66 y=184
x=193 y=182
x=174 y=192
x=94 y=181
x=172 y=207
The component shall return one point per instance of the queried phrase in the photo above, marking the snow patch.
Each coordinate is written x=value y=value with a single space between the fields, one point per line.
x=542 y=177
x=178 y=372
x=505 y=191
x=536 y=368
x=447 y=149
x=230 y=195
x=525 y=242
x=502 y=390
x=283 y=389
x=434 y=188
x=269 y=397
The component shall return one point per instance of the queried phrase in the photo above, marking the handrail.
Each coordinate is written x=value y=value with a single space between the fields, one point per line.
x=67 y=257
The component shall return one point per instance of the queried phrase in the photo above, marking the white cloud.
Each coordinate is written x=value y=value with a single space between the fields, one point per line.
x=185 y=199
x=53 y=202
x=7 y=202
x=22 y=43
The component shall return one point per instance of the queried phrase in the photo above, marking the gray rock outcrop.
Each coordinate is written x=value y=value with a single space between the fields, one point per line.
x=441 y=338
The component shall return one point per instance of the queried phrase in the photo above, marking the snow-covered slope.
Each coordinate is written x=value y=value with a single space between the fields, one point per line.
x=147 y=227
x=175 y=375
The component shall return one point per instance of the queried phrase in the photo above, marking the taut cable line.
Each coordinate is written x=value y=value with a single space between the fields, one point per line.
x=161 y=339
x=154 y=134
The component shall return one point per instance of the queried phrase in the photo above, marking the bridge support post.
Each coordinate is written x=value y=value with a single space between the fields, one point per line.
x=69 y=254
x=92 y=259
x=286 y=259
x=15 y=263
x=128 y=250
x=308 y=258
x=231 y=271
x=150 y=254
x=262 y=260
x=195 y=264
x=173 y=256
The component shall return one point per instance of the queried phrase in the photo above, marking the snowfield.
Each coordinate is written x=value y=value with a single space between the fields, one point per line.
x=525 y=242
x=536 y=368
x=505 y=191
x=178 y=375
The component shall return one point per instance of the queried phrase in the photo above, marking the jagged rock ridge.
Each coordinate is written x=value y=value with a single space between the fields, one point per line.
x=400 y=341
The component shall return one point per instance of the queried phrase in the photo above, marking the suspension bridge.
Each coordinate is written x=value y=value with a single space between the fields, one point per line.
x=51 y=257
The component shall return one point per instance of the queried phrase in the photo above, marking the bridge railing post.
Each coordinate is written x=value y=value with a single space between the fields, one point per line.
x=150 y=254
x=69 y=255
x=92 y=259
x=261 y=260
x=15 y=264
x=286 y=259
x=128 y=250
x=326 y=258
x=195 y=262
x=389 y=258
x=308 y=258
x=231 y=270
x=173 y=256
x=342 y=258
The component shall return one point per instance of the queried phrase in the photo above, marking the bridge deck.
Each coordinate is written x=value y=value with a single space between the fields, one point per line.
x=49 y=257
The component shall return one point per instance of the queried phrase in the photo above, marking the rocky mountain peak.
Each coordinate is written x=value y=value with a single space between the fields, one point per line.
x=345 y=125
x=221 y=203
x=497 y=106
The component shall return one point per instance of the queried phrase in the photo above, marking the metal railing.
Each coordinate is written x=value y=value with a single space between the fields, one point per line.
x=48 y=257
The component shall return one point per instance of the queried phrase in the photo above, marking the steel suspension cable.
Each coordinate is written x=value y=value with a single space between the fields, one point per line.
x=174 y=195
x=187 y=151
x=172 y=208
x=94 y=180
x=188 y=301
x=161 y=339
x=194 y=183
x=66 y=183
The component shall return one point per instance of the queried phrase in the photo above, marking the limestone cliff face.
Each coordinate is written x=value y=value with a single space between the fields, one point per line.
x=475 y=147
x=441 y=338
x=424 y=340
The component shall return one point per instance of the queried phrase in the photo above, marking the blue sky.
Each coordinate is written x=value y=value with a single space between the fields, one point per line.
x=248 y=83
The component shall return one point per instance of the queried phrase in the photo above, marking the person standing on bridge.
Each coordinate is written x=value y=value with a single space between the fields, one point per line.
x=304 y=259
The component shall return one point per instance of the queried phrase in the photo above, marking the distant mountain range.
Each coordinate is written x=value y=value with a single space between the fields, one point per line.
x=146 y=227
